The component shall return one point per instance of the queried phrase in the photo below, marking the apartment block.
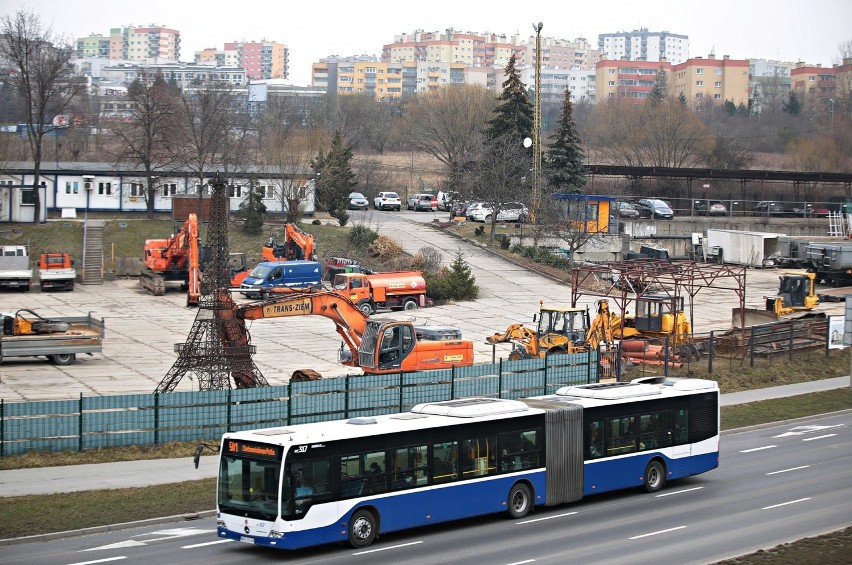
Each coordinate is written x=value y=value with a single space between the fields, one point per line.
x=769 y=83
x=468 y=48
x=717 y=80
x=581 y=83
x=184 y=74
x=814 y=82
x=561 y=53
x=644 y=45
x=627 y=79
x=360 y=75
x=132 y=44
x=262 y=60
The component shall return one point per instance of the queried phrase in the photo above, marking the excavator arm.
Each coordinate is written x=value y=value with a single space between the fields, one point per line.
x=297 y=245
x=517 y=333
x=600 y=329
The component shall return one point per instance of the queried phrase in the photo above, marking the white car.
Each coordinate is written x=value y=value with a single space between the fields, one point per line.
x=387 y=201
x=509 y=212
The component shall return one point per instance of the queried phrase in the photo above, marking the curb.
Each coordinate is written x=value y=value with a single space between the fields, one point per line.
x=109 y=528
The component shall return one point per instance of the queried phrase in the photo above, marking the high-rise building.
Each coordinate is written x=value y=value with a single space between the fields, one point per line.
x=468 y=48
x=644 y=45
x=262 y=60
x=769 y=83
x=814 y=81
x=620 y=78
x=366 y=76
x=132 y=44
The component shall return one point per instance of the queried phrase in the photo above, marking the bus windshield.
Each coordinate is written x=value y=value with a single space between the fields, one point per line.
x=248 y=487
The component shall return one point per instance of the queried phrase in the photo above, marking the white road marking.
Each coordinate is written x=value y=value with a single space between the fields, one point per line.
x=545 y=518
x=206 y=543
x=790 y=469
x=118 y=545
x=784 y=504
x=386 y=548
x=802 y=430
x=679 y=491
x=522 y=562
x=818 y=437
x=657 y=533
x=99 y=560
x=758 y=448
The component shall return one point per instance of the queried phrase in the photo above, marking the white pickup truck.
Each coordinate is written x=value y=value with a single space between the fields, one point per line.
x=15 y=271
x=55 y=270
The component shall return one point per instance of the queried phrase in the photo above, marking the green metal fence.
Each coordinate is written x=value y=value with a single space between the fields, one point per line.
x=146 y=419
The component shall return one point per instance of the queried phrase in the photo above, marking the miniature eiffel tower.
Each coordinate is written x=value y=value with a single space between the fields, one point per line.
x=218 y=348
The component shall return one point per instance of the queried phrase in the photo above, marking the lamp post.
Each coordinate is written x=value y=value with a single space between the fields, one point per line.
x=831 y=114
x=536 y=140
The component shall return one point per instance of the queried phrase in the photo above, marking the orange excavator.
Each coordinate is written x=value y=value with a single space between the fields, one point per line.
x=297 y=245
x=376 y=346
x=175 y=259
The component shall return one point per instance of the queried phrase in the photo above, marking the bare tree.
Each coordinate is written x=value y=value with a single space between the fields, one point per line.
x=146 y=139
x=43 y=77
x=207 y=120
x=291 y=152
x=447 y=124
x=499 y=175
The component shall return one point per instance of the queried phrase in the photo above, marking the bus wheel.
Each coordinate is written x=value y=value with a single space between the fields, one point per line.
x=655 y=476
x=362 y=529
x=520 y=501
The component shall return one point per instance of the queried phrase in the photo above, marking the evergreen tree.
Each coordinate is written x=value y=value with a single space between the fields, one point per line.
x=251 y=211
x=513 y=116
x=564 y=160
x=682 y=98
x=661 y=87
x=335 y=179
x=792 y=106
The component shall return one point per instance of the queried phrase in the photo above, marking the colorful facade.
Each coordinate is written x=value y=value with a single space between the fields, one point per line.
x=716 y=80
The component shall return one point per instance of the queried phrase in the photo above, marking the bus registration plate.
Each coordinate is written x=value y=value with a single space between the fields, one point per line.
x=246 y=539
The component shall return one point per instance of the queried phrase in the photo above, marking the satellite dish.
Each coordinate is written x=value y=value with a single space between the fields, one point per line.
x=527 y=142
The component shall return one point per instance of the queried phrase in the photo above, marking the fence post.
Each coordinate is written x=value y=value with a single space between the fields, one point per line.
x=618 y=367
x=80 y=423
x=2 y=427
x=712 y=353
x=790 y=341
x=666 y=356
x=346 y=383
x=546 y=375
x=289 y=402
x=401 y=377
x=156 y=418
x=751 y=348
x=228 y=423
x=453 y=383
x=500 y=379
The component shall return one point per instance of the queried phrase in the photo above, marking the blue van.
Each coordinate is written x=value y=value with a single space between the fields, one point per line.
x=297 y=275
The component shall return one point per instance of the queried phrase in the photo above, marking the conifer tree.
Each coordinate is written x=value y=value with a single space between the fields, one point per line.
x=564 y=160
x=513 y=116
x=661 y=87
x=335 y=179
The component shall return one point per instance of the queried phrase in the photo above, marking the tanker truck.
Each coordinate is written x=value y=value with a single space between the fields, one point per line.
x=404 y=290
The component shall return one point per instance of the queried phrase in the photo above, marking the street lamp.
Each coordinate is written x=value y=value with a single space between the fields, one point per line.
x=536 y=140
x=831 y=114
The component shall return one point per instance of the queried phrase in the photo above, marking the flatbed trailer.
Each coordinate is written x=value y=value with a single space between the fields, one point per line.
x=85 y=334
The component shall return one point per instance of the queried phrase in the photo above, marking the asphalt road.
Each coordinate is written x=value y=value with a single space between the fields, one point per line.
x=774 y=485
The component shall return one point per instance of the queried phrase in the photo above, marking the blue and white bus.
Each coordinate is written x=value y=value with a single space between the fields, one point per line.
x=349 y=480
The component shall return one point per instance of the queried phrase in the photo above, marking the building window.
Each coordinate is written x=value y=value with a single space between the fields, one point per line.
x=699 y=71
x=104 y=188
x=612 y=71
x=236 y=191
x=27 y=197
x=169 y=189
x=717 y=96
x=699 y=83
x=811 y=78
x=611 y=83
x=72 y=187
x=718 y=84
x=699 y=95
x=137 y=189
x=265 y=192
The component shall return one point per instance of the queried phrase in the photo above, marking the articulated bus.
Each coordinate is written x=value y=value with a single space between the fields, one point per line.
x=349 y=480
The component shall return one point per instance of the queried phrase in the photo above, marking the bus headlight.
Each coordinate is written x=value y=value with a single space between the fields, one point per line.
x=276 y=535
x=220 y=523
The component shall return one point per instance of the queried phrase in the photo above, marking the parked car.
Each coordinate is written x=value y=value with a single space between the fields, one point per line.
x=767 y=208
x=459 y=208
x=626 y=210
x=427 y=202
x=358 y=201
x=710 y=208
x=471 y=209
x=813 y=211
x=446 y=200
x=387 y=201
x=509 y=212
x=654 y=209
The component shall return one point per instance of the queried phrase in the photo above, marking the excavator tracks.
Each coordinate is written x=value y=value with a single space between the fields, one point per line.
x=153 y=283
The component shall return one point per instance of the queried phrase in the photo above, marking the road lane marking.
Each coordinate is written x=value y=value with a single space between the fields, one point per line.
x=206 y=543
x=819 y=437
x=679 y=492
x=386 y=548
x=545 y=518
x=99 y=560
x=757 y=448
x=784 y=504
x=802 y=430
x=522 y=562
x=790 y=469
x=119 y=545
x=658 y=533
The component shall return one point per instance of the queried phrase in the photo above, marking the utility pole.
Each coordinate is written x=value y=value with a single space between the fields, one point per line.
x=536 y=168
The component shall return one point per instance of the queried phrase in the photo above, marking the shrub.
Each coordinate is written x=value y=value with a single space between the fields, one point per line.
x=317 y=222
x=427 y=260
x=455 y=282
x=541 y=255
x=385 y=248
x=479 y=230
x=361 y=237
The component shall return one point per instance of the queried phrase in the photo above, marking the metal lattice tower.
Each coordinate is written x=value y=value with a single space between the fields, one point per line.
x=218 y=348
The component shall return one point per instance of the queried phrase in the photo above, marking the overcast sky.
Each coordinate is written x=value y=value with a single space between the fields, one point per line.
x=786 y=30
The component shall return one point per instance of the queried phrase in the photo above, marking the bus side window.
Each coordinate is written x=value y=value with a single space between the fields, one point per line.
x=445 y=461
x=594 y=441
x=681 y=427
x=621 y=437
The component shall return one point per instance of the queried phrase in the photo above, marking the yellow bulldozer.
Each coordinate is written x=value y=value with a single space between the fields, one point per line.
x=658 y=316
